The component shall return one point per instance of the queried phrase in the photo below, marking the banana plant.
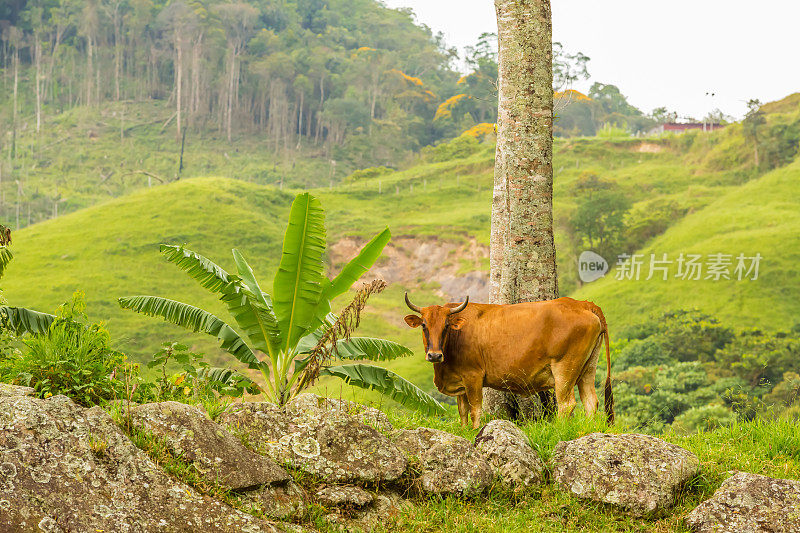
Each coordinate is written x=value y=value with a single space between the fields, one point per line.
x=18 y=320
x=290 y=336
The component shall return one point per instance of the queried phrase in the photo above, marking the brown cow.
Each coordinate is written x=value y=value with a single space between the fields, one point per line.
x=520 y=348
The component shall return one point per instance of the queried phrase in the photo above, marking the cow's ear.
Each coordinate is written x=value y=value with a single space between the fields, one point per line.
x=457 y=323
x=413 y=320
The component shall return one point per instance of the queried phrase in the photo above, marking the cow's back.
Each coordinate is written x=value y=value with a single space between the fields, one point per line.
x=517 y=343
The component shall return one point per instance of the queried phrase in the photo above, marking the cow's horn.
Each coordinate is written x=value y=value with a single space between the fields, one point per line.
x=459 y=308
x=411 y=306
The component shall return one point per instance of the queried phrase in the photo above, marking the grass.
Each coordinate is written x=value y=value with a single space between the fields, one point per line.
x=770 y=448
x=761 y=216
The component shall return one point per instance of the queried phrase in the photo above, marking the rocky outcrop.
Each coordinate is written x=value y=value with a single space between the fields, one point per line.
x=637 y=473
x=749 y=503
x=506 y=448
x=448 y=464
x=213 y=450
x=319 y=437
x=15 y=390
x=66 y=468
x=347 y=496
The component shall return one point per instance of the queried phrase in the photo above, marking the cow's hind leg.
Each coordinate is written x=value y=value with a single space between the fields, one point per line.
x=564 y=389
x=463 y=408
x=586 y=381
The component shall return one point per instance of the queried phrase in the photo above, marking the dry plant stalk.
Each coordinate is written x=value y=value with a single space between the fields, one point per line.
x=345 y=325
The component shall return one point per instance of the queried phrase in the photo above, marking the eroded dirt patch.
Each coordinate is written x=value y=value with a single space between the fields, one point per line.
x=454 y=266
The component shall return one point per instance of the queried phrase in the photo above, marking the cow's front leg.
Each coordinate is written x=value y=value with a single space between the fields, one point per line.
x=463 y=408
x=475 y=399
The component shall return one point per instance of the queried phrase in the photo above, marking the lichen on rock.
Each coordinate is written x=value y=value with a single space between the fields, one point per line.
x=348 y=496
x=67 y=468
x=637 y=473
x=749 y=503
x=7 y=389
x=314 y=435
x=213 y=450
x=449 y=464
x=506 y=448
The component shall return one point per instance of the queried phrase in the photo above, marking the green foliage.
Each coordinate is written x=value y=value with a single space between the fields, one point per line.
x=689 y=370
x=71 y=358
x=758 y=357
x=293 y=327
x=309 y=77
x=704 y=418
x=598 y=219
x=387 y=383
x=368 y=174
x=780 y=144
x=462 y=146
x=613 y=130
x=650 y=219
x=197 y=381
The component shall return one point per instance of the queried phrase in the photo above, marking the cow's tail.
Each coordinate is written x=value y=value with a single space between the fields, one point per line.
x=609 y=394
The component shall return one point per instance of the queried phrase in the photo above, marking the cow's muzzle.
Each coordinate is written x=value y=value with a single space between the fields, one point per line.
x=434 y=357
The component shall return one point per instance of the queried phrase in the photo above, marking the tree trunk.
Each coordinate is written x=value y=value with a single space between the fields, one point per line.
x=16 y=91
x=37 y=58
x=522 y=252
x=117 y=51
x=179 y=84
x=230 y=92
x=89 y=53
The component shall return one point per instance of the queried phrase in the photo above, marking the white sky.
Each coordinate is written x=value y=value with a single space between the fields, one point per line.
x=659 y=53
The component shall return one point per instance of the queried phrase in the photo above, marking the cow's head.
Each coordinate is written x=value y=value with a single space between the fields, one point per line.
x=436 y=322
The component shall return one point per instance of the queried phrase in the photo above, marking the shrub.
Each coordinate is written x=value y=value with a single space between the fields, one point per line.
x=71 y=358
x=457 y=148
x=367 y=174
x=704 y=418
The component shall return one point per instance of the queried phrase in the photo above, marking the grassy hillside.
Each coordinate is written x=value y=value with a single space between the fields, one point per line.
x=762 y=216
x=111 y=249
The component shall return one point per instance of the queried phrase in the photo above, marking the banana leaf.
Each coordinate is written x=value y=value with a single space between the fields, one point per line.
x=297 y=288
x=387 y=383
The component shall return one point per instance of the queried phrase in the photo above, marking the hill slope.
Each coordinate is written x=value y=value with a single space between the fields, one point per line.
x=111 y=250
x=762 y=216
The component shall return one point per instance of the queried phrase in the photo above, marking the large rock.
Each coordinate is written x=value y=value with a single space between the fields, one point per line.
x=7 y=389
x=311 y=435
x=506 y=448
x=637 y=473
x=749 y=503
x=212 y=449
x=448 y=463
x=66 y=468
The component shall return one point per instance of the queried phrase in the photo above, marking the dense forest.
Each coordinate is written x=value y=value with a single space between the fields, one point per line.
x=322 y=72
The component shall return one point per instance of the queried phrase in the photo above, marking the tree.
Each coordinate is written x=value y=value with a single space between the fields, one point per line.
x=522 y=251
x=598 y=219
x=752 y=123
